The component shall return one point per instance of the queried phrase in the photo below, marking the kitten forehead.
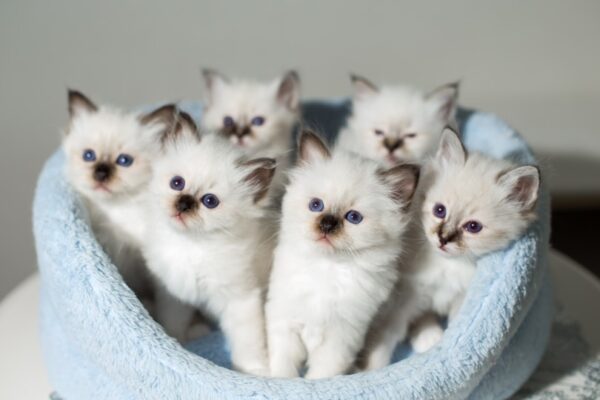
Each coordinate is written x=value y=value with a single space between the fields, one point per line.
x=110 y=129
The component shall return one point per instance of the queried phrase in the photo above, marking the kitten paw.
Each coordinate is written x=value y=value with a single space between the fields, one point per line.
x=426 y=338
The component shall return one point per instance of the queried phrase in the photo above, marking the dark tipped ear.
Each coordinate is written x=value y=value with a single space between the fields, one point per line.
x=288 y=91
x=79 y=104
x=522 y=184
x=363 y=88
x=403 y=179
x=451 y=149
x=166 y=114
x=445 y=99
x=184 y=126
x=213 y=81
x=263 y=170
x=311 y=147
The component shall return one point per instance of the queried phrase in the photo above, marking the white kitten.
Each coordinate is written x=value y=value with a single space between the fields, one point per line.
x=473 y=205
x=109 y=155
x=336 y=262
x=257 y=117
x=394 y=124
x=208 y=242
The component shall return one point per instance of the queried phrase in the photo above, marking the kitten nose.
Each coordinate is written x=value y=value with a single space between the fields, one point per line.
x=392 y=144
x=444 y=240
x=243 y=131
x=102 y=172
x=329 y=224
x=185 y=203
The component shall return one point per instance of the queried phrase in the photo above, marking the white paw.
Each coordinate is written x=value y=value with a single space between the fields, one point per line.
x=426 y=338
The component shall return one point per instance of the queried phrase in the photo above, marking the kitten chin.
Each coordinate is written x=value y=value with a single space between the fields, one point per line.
x=397 y=124
x=342 y=229
x=209 y=242
x=108 y=161
x=473 y=205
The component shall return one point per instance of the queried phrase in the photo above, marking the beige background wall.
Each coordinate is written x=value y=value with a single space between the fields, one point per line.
x=535 y=63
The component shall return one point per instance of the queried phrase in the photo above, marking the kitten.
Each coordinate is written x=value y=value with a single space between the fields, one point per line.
x=257 y=117
x=395 y=124
x=472 y=205
x=336 y=262
x=109 y=155
x=208 y=241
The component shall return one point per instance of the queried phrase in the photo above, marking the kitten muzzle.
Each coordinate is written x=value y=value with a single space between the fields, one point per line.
x=103 y=172
x=392 y=144
x=449 y=238
x=329 y=224
x=186 y=203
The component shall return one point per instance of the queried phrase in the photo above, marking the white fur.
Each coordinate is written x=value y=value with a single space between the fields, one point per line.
x=243 y=100
x=117 y=217
x=397 y=112
x=471 y=188
x=216 y=259
x=322 y=297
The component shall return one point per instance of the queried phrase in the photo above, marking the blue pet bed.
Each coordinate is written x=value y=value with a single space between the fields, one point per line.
x=100 y=343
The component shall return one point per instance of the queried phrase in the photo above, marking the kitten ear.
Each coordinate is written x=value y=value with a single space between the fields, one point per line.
x=79 y=104
x=444 y=100
x=165 y=117
x=213 y=81
x=311 y=147
x=403 y=180
x=263 y=170
x=363 y=88
x=184 y=126
x=522 y=184
x=451 y=149
x=288 y=91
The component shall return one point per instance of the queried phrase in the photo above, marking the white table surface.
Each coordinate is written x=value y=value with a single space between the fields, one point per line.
x=23 y=376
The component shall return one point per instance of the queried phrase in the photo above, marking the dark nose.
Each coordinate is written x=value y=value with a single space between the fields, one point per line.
x=392 y=144
x=243 y=131
x=444 y=240
x=102 y=172
x=185 y=203
x=329 y=224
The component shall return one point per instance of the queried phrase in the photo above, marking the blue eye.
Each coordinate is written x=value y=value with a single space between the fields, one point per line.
x=228 y=122
x=124 y=160
x=316 y=205
x=473 y=226
x=258 y=121
x=89 y=155
x=210 y=200
x=439 y=210
x=177 y=183
x=354 y=217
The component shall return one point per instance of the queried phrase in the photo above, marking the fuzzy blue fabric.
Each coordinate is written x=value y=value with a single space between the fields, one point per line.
x=100 y=343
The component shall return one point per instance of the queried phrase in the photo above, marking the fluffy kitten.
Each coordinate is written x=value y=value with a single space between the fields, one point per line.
x=336 y=262
x=109 y=155
x=208 y=243
x=473 y=205
x=257 y=117
x=395 y=124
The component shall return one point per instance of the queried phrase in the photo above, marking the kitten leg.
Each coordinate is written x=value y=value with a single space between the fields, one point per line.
x=286 y=350
x=426 y=333
x=455 y=306
x=334 y=356
x=243 y=324
x=172 y=314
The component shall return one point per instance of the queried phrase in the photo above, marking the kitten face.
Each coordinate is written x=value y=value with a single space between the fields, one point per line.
x=109 y=152
x=399 y=124
x=202 y=185
x=476 y=204
x=249 y=114
x=341 y=203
